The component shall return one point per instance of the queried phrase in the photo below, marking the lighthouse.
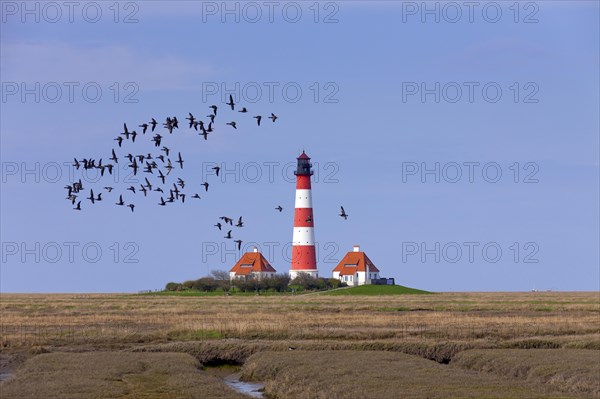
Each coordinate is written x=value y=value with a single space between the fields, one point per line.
x=304 y=258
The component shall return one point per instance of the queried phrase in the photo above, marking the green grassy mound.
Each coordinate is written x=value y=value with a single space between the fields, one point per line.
x=377 y=290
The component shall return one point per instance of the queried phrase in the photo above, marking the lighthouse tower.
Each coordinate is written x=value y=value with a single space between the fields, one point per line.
x=304 y=258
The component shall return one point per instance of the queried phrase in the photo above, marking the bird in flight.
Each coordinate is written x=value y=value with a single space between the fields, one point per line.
x=279 y=208
x=228 y=236
x=157 y=140
x=243 y=110
x=114 y=157
x=161 y=176
x=227 y=220
x=109 y=167
x=240 y=223
x=144 y=127
x=343 y=213
x=218 y=225
x=78 y=207
x=273 y=117
x=214 y=108
x=134 y=166
x=162 y=202
x=169 y=125
x=70 y=195
x=232 y=124
x=126 y=132
x=205 y=184
x=131 y=206
x=197 y=196
x=169 y=166
x=91 y=197
x=120 y=201
x=179 y=160
x=258 y=119
x=153 y=123
x=191 y=119
x=239 y=243
x=216 y=169
x=231 y=103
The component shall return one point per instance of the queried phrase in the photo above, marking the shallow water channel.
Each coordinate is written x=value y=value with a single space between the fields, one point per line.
x=230 y=375
x=252 y=389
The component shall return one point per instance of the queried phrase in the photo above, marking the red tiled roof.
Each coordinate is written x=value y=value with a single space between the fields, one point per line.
x=355 y=262
x=252 y=262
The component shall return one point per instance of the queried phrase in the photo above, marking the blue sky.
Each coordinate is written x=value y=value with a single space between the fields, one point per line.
x=347 y=84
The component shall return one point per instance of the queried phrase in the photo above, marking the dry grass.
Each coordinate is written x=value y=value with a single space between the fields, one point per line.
x=236 y=351
x=232 y=329
x=568 y=370
x=102 y=375
x=489 y=318
x=376 y=375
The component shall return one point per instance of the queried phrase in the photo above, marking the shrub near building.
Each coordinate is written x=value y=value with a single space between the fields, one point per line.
x=305 y=282
x=277 y=283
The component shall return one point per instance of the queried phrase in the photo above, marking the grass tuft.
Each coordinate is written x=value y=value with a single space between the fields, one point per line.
x=370 y=289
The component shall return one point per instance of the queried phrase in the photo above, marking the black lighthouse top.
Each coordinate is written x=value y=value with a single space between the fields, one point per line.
x=304 y=165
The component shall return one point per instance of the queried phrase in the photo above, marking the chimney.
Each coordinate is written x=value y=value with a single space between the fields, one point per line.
x=356 y=248
x=255 y=249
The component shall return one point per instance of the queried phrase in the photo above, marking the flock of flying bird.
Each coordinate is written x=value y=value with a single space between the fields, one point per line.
x=149 y=163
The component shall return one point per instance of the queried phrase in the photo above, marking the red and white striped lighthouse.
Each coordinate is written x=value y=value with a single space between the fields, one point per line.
x=304 y=258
